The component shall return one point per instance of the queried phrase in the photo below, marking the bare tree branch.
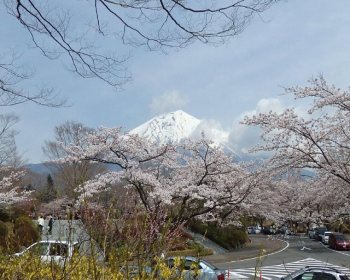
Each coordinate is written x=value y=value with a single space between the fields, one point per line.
x=12 y=76
x=155 y=24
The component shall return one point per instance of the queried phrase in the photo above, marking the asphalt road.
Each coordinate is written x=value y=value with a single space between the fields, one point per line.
x=296 y=253
x=296 y=249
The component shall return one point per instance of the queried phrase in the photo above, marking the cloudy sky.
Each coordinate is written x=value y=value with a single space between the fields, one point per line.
x=290 y=43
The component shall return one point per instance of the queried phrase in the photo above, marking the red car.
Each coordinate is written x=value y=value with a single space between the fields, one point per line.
x=338 y=241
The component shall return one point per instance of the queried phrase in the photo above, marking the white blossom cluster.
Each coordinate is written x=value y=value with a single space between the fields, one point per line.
x=319 y=145
x=192 y=179
x=9 y=192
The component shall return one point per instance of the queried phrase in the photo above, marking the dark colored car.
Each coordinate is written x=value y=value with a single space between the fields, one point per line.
x=319 y=232
x=316 y=273
x=268 y=231
x=338 y=241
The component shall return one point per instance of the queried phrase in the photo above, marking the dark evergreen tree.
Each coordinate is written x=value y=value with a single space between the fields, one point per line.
x=50 y=192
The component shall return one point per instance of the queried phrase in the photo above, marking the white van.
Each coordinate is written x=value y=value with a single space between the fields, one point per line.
x=51 y=250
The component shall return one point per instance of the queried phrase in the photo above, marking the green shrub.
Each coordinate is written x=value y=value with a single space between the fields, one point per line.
x=4 y=214
x=237 y=237
x=228 y=237
x=25 y=231
x=4 y=233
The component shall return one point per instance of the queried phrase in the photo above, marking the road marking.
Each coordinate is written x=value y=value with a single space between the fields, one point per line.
x=302 y=243
x=277 y=271
x=234 y=275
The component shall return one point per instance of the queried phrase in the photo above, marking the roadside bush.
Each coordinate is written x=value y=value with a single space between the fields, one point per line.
x=228 y=237
x=87 y=268
x=25 y=231
x=4 y=215
x=4 y=232
x=183 y=241
x=18 y=210
x=237 y=238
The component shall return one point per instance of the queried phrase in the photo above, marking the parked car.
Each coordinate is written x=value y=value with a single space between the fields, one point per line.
x=51 y=250
x=325 y=237
x=257 y=230
x=190 y=266
x=314 y=273
x=268 y=230
x=251 y=230
x=319 y=232
x=338 y=241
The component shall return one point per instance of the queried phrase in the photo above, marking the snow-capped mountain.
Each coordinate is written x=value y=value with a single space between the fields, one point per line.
x=176 y=126
x=168 y=128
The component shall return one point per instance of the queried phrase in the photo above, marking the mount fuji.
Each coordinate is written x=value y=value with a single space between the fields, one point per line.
x=176 y=126
x=171 y=127
x=168 y=128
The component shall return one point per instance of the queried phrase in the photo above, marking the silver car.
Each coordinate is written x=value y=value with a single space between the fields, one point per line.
x=194 y=268
x=325 y=237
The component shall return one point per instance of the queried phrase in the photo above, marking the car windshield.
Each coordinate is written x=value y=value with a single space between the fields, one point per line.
x=209 y=265
x=58 y=249
x=341 y=237
x=40 y=248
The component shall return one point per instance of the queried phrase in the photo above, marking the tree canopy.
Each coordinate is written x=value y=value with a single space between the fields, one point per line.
x=193 y=179
x=317 y=142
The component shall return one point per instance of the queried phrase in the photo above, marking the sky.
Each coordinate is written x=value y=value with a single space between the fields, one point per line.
x=285 y=46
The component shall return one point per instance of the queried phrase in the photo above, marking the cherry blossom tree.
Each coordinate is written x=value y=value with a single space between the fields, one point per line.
x=319 y=142
x=9 y=192
x=10 y=173
x=317 y=145
x=194 y=179
x=295 y=198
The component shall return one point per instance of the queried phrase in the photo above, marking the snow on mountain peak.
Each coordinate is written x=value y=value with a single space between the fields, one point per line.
x=176 y=126
x=168 y=128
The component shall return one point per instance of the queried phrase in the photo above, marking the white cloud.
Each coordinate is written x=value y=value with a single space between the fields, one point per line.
x=212 y=129
x=169 y=101
x=266 y=105
x=242 y=137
